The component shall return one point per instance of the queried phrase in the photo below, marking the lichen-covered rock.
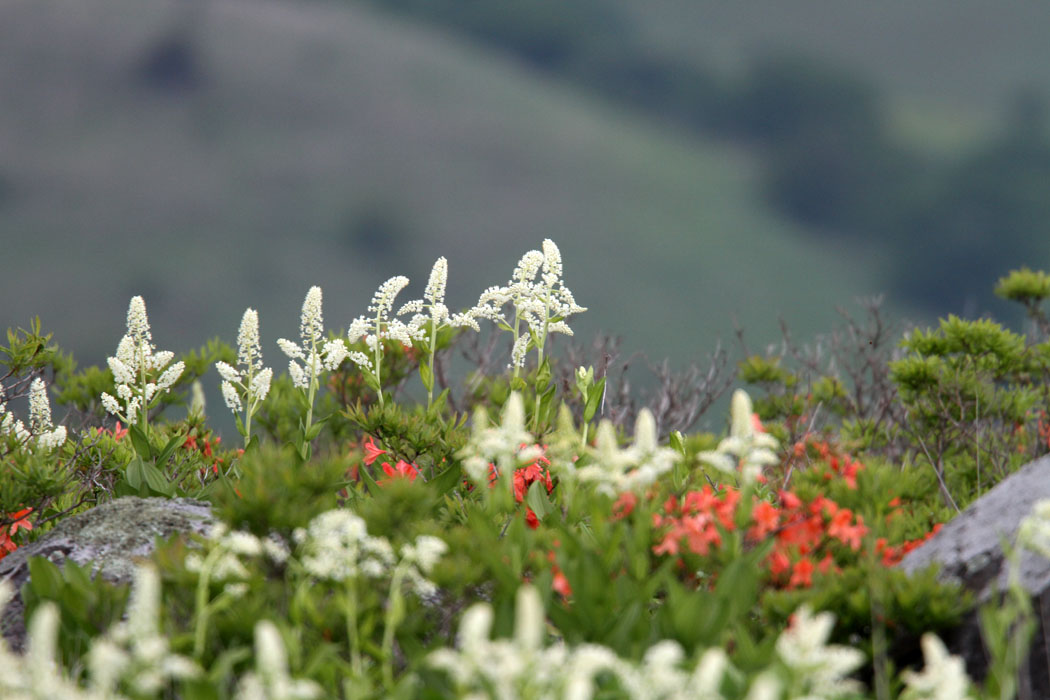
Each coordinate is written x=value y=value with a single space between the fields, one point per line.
x=969 y=551
x=108 y=539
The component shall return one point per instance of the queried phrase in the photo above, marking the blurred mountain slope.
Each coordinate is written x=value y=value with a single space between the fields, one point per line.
x=306 y=144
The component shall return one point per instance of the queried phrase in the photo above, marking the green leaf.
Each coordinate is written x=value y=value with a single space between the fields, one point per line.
x=140 y=441
x=367 y=480
x=45 y=578
x=537 y=499
x=426 y=375
x=677 y=442
x=543 y=373
x=316 y=429
x=155 y=479
x=594 y=399
x=438 y=406
x=173 y=444
x=448 y=479
x=134 y=473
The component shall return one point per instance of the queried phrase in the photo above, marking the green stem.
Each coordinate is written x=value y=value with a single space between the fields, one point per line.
x=200 y=625
x=379 y=357
x=390 y=625
x=433 y=349
x=351 y=628
x=517 y=323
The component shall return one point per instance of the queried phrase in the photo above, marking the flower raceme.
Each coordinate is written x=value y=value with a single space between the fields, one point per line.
x=430 y=315
x=314 y=354
x=748 y=447
x=48 y=437
x=542 y=305
x=141 y=374
x=245 y=388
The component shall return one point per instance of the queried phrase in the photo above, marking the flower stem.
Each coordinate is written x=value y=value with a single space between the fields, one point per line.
x=351 y=628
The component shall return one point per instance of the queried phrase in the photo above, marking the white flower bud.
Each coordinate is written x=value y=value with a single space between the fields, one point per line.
x=227 y=372
x=334 y=353
x=170 y=376
x=261 y=384
x=299 y=379
x=232 y=398
x=39 y=407
x=290 y=349
x=249 y=350
x=311 y=323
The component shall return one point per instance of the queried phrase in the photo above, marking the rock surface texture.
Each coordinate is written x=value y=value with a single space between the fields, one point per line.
x=969 y=551
x=108 y=539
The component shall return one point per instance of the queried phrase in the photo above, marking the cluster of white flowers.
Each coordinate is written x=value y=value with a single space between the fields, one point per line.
x=431 y=308
x=135 y=367
x=132 y=653
x=542 y=304
x=524 y=666
x=418 y=560
x=506 y=445
x=48 y=437
x=9 y=425
x=314 y=354
x=225 y=548
x=382 y=323
x=270 y=680
x=818 y=670
x=245 y=389
x=633 y=468
x=336 y=546
x=943 y=678
x=746 y=447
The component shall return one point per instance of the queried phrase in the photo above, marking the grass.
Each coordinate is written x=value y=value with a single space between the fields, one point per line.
x=314 y=121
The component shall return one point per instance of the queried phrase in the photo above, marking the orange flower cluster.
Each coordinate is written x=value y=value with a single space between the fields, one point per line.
x=21 y=521
x=206 y=447
x=524 y=477
x=401 y=470
x=801 y=531
x=841 y=464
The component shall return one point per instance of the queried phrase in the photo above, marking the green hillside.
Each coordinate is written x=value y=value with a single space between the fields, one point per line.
x=968 y=54
x=337 y=146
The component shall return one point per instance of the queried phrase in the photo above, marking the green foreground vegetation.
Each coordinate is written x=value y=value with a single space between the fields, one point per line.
x=530 y=534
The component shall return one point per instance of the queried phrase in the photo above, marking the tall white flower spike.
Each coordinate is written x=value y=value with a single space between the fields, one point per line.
x=747 y=447
x=135 y=367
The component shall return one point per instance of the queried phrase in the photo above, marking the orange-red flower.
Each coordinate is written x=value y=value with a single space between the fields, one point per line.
x=766 y=517
x=21 y=521
x=403 y=470
x=802 y=574
x=372 y=452
x=624 y=505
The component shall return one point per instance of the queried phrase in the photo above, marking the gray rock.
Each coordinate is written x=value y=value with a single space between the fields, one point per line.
x=109 y=539
x=969 y=551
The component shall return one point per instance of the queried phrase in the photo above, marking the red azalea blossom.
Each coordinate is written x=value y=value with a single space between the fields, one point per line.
x=778 y=563
x=624 y=505
x=403 y=470
x=802 y=575
x=372 y=452
x=766 y=517
x=21 y=521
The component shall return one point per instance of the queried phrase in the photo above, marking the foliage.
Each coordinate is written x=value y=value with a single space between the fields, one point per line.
x=392 y=549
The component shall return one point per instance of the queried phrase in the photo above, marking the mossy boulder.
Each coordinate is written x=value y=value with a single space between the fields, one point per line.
x=108 y=539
